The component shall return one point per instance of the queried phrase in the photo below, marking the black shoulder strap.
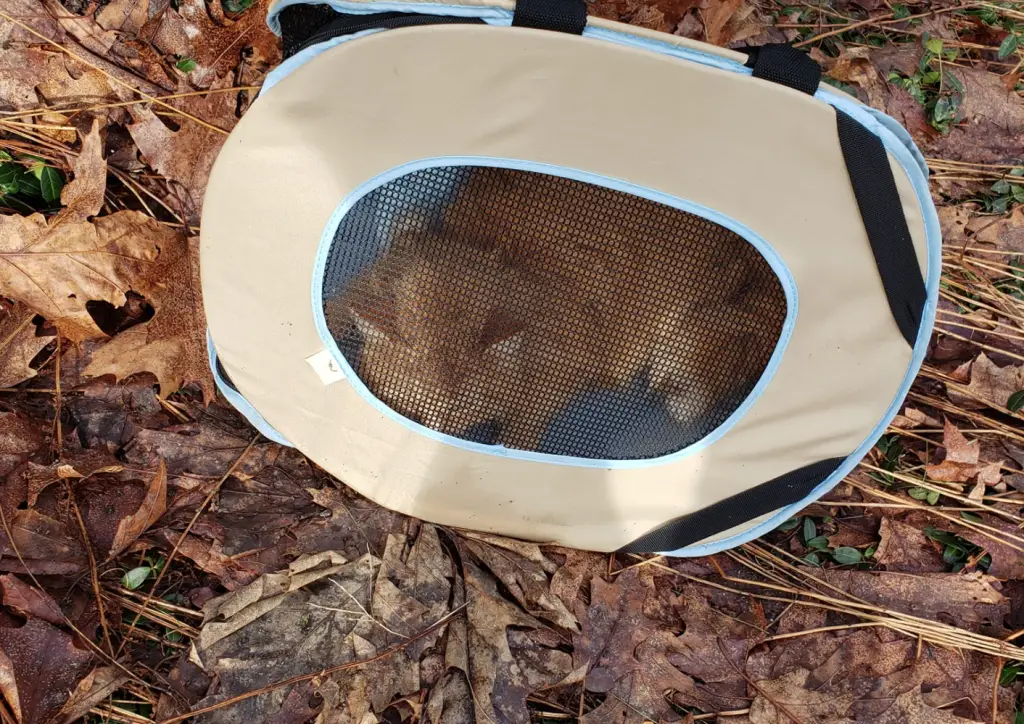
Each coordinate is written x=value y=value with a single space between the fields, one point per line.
x=784 y=490
x=874 y=187
x=785 y=65
x=878 y=199
x=564 y=16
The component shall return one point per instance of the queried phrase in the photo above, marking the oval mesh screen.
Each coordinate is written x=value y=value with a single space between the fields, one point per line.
x=546 y=314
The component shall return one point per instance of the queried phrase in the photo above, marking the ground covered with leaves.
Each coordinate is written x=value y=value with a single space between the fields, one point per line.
x=160 y=560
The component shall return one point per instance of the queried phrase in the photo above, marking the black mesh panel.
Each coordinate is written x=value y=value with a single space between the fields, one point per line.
x=546 y=314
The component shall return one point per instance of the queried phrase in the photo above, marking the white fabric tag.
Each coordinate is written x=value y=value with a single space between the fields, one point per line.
x=326 y=367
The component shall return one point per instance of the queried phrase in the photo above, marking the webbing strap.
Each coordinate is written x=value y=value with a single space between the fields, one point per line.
x=563 y=16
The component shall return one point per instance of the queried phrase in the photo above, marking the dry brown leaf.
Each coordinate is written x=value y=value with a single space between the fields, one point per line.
x=23 y=10
x=992 y=121
x=961 y=461
x=216 y=43
x=21 y=70
x=905 y=548
x=19 y=438
x=29 y=601
x=855 y=67
x=125 y=16
x=172 y=345
x=958 y=448
x=730 y=21
x=57 y=266
x=909 y=708
x=628 y=652
x=19 y=344
x=100 y=683
x=527 y=581
x=969 y=599
x=993 y=383
x=153 y=506
x=45 y=666
x=500 y=679
x=186 y=156
x=784 y=700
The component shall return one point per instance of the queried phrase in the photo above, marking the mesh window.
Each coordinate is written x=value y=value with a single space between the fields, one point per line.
x=546 y=314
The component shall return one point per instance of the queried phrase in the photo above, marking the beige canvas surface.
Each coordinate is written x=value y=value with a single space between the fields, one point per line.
x=762 y=154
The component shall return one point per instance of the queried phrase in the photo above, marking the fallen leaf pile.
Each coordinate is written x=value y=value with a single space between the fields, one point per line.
x=160 y=560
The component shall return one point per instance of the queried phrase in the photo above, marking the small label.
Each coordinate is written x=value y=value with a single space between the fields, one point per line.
x=326 y=367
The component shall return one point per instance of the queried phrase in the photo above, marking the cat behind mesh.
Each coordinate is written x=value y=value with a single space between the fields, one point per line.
x=531 y=290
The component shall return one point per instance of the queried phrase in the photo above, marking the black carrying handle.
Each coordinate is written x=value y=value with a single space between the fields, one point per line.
x=563 y=16
x=305 y=24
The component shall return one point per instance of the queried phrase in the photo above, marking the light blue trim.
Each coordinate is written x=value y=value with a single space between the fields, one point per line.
x=304 y=56
x=771 y=256
x=896 y=141
x=240 y=403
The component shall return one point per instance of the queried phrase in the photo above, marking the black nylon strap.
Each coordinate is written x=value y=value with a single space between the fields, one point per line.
x=783 y=490
x=306 y=25
x=784 y=64
x=867 y=164
x=563 y=16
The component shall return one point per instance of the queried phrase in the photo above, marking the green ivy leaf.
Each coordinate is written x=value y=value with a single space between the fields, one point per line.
x=1018 y=193
x=953 y=82
x=29 y=184
x=970 y=517
x=136 y=577
x=847 y=556
x=50 y=183
x=789 y=525
x=810 y=530
x=1002 y=186
x=933 y=497
x=1016 y=401
x=813 y=559
x=918 y=493
x=237 y=6
x=818 y=543
x=900 y=11
x=933 y=45
x=185 y=65
x=952 y=555
x=869 y=552
x=1008 y=46
x=173 y=636
x=1010 y=673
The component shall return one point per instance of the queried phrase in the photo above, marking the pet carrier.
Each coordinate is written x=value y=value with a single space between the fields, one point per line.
x=510 y=268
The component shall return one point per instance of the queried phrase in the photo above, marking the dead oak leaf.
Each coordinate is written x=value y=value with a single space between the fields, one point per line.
x=39 y=668
x=172 y=344
x=730 y=21
x=500 y=679
x=961 y=461
x=19 y=344
x=153 y=506
x=186 y=156
x=995 y=384
x=628 y=652
x=783 y=700
x=905 y=548
x=28 y=600
x=909 y=708
x=992 y=121
x=56 y=266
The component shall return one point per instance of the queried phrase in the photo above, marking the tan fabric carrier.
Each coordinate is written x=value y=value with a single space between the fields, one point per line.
x=520 y=271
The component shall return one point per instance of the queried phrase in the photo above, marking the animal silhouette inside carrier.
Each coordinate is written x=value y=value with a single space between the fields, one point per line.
x=529 y=272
